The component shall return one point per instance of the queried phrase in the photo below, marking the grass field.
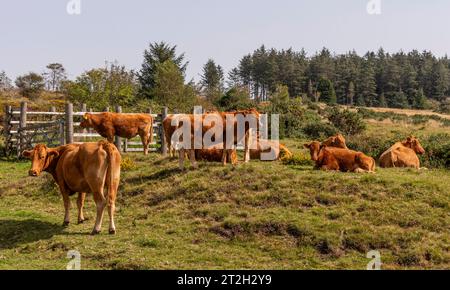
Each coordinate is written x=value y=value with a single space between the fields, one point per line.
x=254 y=216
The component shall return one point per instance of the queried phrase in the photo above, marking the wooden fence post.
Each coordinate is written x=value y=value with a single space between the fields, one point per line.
x=106 y=109
x=62 y=137
x=7 y=129
x=84 y=110
x=69 y=123
x=117 y=139
x=22 y=125
x=162 y=134
x=6 y=121
x=53 y=110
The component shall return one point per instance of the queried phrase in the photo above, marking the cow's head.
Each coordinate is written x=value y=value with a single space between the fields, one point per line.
x=87 y=121
x=413 y=143
x=337 y=141
x=314 y=149
x=40 y=157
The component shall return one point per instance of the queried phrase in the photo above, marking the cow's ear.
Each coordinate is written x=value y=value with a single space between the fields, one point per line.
x=53 y=153
x=409 y=139
x=307 y=146
x=27 y=153
x=86 y=116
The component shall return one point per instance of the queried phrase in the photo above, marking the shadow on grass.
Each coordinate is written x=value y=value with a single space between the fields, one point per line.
x=17 y=232
x=162 y=174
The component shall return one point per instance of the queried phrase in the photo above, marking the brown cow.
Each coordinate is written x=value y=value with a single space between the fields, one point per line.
x=337 y=141
x=268 y=146
x=168 y=132
x=84 y=168
x=213 y=119
x=338 y=159
x=403 y=154
x=250 y=115
x=126 y=126
x=214 y=155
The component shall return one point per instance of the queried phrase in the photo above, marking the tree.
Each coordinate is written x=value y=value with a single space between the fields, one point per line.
x=170 y=90
x=281 y=95
x=234 y=79
x=310 y=92
x=103 y=87
x=348 y=122
x=157 y=54
x=54 y=76
x=419 y=101
x=440 y=80
x=382 y=103
x=351 y=93
x=367 y=85
x=5 y=82
x=398 y=100
x=30 y=85
x=327 y=93
x=235 y=99
x=212 y=81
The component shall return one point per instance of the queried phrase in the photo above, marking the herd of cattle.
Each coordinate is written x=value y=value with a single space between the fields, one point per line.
x=90 y=167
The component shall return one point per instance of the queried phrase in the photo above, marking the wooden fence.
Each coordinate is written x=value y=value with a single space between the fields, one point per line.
x=24 y=128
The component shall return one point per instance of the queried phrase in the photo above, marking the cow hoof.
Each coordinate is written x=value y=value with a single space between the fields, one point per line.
x=112 y=232
x=95 y=232
x=66 y=224
x=81 y=221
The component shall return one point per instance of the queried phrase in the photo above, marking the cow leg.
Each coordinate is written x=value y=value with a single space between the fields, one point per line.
x=181 y=158
x=100 y=202
x=112 y=207
x=145 y=141
x=192 y=158
x=224 y=157
x=66 y=200
x=80 y=204
x=247 y=147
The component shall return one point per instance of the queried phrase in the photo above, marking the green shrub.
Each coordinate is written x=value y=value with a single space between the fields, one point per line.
x=437 y=151
x=300 y=158
x=348 y=122
x=319 y=130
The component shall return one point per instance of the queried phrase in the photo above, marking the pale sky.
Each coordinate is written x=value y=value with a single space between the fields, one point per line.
x=35 y=33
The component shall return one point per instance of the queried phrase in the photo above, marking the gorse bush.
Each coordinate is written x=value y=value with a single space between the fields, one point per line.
x=346 y=121
x=319 y=130
x=437 y=151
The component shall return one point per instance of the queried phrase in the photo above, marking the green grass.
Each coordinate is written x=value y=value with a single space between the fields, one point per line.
x=254 y=216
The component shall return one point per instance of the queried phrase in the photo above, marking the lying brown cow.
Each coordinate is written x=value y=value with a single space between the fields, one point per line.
x=214 y=155
x=337 y=141
x=82 y=168
x=126 y=126
x=338 y=159
x=403 y=154
x=270 y=147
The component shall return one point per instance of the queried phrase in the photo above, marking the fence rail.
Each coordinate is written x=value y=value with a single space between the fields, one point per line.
x=24 y=128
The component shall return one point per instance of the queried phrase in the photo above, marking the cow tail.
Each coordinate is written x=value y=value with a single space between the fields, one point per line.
x=151 y=132
x=108 y=147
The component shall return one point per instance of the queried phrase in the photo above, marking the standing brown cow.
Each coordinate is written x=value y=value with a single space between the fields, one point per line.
x=209 y=122
x=81 y=168
x=126 y=126
x=169 y=129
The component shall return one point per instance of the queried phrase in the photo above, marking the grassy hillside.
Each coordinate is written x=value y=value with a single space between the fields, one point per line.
x=260 y=215
x=254 y=216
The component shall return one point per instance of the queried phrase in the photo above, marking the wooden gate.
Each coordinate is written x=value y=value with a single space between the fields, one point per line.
x=23 y=129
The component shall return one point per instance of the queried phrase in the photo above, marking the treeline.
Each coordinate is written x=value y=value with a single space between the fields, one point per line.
x=401 y=80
